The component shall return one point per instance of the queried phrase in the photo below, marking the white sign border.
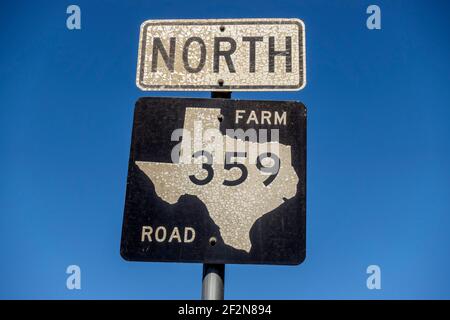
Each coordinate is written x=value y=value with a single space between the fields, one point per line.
x=141 y=53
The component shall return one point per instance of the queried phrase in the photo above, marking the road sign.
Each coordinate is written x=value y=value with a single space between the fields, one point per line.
x=216 y=181
x=222 y=55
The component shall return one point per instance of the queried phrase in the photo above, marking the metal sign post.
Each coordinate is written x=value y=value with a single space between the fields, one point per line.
x=213 y=279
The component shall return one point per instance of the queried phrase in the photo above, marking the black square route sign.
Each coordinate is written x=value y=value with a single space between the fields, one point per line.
x=216 y=181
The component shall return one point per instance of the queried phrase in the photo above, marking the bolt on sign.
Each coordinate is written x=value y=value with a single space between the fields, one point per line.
x=216 y=181
x=222 y=55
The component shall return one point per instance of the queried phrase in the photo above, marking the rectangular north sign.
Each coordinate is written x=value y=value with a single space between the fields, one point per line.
x=216 y=181
x=222 y=55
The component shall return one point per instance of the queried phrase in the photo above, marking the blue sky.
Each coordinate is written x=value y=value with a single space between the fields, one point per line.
x=378 y=150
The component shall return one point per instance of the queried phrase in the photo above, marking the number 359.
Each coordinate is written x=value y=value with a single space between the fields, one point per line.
x=230 y=164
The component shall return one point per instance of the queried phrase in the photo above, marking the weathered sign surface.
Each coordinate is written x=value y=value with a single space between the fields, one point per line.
x=216 y=181
x=222 y=55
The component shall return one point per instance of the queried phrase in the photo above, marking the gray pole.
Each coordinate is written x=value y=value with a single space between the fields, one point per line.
x=213 y=281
